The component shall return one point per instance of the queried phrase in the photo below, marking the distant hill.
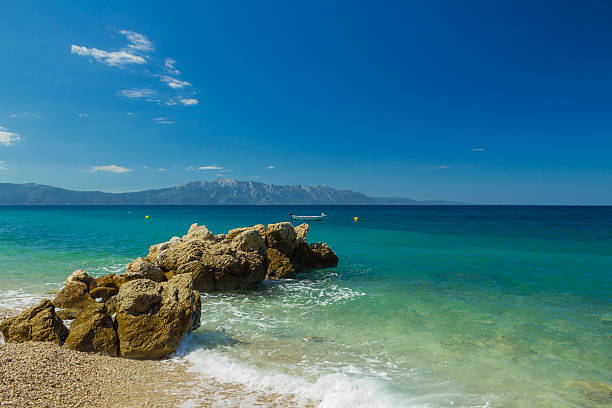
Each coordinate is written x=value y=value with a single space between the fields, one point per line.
x=220 y=191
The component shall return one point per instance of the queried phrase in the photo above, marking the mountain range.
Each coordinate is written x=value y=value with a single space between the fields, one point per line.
x=220 y=191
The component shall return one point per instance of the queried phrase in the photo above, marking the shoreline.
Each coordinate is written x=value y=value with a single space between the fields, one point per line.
x=48 y=375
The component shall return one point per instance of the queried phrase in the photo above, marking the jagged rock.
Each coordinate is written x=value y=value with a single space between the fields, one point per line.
x=199 y=232
x=279 y=266
x=301 y=231
x=103 y=293
x=92 y=331
x=81 y=276
x=157 y=251
x=214 y=265
x=249 y=240
x=152 y=318
x=142 y=268
x=39 y=323
x=108 y=281
x=281 y=236
x=260 y=228
x=314 y=256
x=75 y=296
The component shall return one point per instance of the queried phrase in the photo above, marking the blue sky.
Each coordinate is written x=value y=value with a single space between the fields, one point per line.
x=485 y=102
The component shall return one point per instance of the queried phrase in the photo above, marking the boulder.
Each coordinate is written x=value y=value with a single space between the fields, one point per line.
x=249 y=240
x=39 y=323
x=279 y=266
x=157 y=251
x=260 y=228
x=142 y=268
x=300 y=232
x=199 y=232
x=281 y=236
x=92 y=331
x=103 y=293
x=73 y=297
x=214 y=265
x=108 y=281
x=81 y=276
x=314 y=256
x=152 y=317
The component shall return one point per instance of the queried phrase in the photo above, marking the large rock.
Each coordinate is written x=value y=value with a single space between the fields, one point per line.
x=152 y=318
x=314 y=256
x=301 y=231
x=92 y=331
x=39 y=323
x=73 y=298
x=279 y=265
x=199 y=232
x=81 y=276
x=249 y=240
x=214 y=265
x=142 y=268
x=281 y=236
x=260 y=228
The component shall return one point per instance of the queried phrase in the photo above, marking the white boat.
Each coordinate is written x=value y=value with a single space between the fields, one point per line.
x=308 y=217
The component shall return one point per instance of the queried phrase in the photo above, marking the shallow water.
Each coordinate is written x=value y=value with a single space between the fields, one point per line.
x=429 y=306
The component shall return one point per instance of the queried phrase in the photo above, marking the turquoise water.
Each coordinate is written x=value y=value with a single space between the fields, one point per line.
x=428 y=307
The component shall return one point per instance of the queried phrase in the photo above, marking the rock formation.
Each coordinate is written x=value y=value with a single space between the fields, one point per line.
x=146 y=311
x=39 y=323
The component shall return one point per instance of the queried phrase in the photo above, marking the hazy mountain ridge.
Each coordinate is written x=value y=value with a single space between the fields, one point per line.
x=220 y=191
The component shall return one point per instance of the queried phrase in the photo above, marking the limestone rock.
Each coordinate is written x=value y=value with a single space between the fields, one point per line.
x=152 y=318
x=280 y=266
x=92 y=331
x=301 y=231
x=249 y=240
x=81 y=276
x=103 y=293
x=75 y=295
x=142 y=268
x=108 y=281
x=199 y=232
x=260 y=228
x=314 y=256
x=39 y=323
x=281 y=236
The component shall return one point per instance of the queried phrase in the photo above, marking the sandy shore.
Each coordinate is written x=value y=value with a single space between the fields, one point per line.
x=46 y=375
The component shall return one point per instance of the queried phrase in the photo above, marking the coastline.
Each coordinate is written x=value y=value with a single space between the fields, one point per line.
x=47 y=375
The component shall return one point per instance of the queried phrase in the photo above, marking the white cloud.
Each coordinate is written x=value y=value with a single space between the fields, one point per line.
x=270 y=168
x=440 y=167
x=112 y=59
x=163 y=121
x=479 y=149
x=137 y=41
x=136 y=93
x=112 y=168
x=3 y=166
x=83 y=115
x=8 y=138
x=170 y=65
x=188 y=102
x=23 y=115
x=213 y=167
x=162 y=169
x=174 y=83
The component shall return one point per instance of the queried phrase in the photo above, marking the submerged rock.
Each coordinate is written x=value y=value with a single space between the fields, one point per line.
x=39 y=323
x=152 y=317
x=93 y=331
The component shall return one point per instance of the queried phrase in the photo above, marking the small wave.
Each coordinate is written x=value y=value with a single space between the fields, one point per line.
x=19 y=300
x=333 y=390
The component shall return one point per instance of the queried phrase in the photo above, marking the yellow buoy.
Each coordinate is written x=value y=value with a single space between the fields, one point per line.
x=356 y=219
x=147 y=217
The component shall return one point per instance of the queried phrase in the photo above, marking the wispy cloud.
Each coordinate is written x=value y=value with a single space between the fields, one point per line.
x=170 y=65
x=26 y=115
x=112 y=58
x=479 y=149
x=440 y=167
x=8 y=138
x=3 y=166
x=270 y=168
x=136 y=93
x=188 y=102
x=213 y=167
x=112 y=168
x=137 y=41
x=163 y=121
x=174 y=83
x=83 y=115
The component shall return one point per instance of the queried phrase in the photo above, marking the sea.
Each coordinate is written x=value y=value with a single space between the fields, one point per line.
x=429 y=306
